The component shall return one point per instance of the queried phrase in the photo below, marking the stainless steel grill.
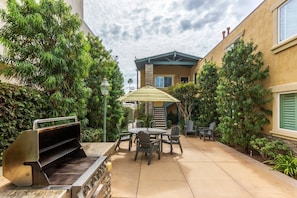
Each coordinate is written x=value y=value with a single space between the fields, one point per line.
x=53 y=157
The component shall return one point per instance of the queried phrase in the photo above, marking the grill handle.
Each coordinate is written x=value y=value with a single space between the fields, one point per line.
x=39 y=121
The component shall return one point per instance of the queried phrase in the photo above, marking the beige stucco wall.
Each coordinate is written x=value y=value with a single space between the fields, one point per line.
x=175 y=71
x=260 y=27
x=78 y=7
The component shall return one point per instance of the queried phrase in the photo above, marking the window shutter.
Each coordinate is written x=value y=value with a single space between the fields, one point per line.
x=288 y=111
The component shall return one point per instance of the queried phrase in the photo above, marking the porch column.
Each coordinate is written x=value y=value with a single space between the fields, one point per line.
x=149 y=80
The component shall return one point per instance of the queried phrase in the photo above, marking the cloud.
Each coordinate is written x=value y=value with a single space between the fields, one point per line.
x=185 y=24
x=199 y=5
x=146 y=28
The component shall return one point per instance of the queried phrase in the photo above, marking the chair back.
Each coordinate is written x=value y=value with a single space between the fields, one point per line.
x=212 y=126
x=189 y=125
x=143 y=139
x=175 y=130
x=139 y=123
x=119 y=129
x=152 y=124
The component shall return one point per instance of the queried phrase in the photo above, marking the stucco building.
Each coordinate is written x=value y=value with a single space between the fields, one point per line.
x=272 y=27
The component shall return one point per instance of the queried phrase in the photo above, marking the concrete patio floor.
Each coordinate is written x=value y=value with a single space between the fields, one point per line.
x=204 y=170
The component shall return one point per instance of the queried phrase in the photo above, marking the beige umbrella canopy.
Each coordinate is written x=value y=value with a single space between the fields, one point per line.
x=148 y=94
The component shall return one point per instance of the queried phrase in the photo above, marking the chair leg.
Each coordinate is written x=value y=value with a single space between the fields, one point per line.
x=136 y=153
x=149 y=158
x=159 y=153
x=180 y=146
x=130 y=143
x=117 y=145
x=171 y=148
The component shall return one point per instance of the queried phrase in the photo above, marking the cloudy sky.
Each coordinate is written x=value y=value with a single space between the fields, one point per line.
x=142 y=28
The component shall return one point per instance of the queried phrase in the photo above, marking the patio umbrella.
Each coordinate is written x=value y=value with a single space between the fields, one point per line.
x=148 y=94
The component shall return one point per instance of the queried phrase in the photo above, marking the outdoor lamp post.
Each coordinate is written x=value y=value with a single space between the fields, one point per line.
x=104 y=90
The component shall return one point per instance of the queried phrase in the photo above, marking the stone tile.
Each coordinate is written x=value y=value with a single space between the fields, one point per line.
x=125 y=175
x=204 y=170
x=260 y=181
x=163 y=188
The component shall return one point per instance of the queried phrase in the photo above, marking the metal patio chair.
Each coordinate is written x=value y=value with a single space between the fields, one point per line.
x=173 y=138
x=190 y=128
x=123 y=136
x=139 y=123
x=207 y=131
x=146 y=145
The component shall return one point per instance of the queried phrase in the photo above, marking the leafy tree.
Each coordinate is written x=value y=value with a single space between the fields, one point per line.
x=45 y=49
x=103 y=65
x=115 y=108
x=207 y=83
x=100 y=59
x=240 y=95
x=186 y=93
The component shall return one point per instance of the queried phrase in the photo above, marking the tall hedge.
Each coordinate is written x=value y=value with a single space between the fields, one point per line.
x=19 y=107
x=207 y=84
x=241 y=97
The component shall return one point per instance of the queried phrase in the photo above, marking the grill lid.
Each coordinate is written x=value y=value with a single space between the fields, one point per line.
x=32 y=157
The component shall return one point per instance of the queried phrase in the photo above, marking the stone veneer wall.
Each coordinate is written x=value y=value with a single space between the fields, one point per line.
x=149 y=80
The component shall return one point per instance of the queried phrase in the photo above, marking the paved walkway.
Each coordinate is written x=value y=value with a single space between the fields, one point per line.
x=205 y=169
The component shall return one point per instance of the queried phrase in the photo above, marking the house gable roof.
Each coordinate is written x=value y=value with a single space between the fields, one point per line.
x=170 y=58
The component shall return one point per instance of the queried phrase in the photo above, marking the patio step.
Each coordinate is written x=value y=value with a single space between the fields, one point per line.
x=160 y=118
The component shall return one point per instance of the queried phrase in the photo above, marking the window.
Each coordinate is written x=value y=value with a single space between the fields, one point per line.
x=163 y=81
x=284 y=108
x=288 y=113
x=284 y=25
x=233 y=43
x=287 y=20
x=184 y=79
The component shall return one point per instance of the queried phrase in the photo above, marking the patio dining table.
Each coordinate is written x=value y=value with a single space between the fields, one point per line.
x=151 y=131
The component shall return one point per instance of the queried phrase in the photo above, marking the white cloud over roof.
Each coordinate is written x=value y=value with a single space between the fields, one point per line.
x=138 y=28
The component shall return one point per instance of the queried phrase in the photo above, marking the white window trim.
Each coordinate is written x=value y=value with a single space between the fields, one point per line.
x=229 y=46
x=276 y=130
x=280 y=46
x=164 y=75
x=184 y=77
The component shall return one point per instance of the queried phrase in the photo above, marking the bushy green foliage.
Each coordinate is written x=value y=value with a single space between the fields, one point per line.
x=20 y=106
x=91 y=135
x=103 y=65
x=115 y=110
x=45 y=49
x=241 y=97
x=269 y=149
x=207 y=83
x=186 y=93
x=173 y=117
x=286 y=164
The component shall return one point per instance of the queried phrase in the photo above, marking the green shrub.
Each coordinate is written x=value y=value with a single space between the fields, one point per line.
x=269 y=149
x=286 y=164
x=20 y=106
x=91 y=135
x=173 y=117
